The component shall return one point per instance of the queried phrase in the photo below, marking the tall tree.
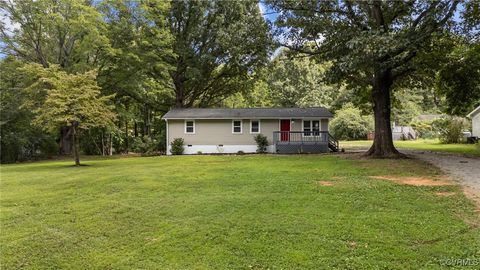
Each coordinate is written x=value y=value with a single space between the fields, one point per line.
x=67 y=33
x=459 y=79
x=300 y=82
x=135 y=68
x=19 y=138
x=217 y=45
x=71 y=100
x=371 y=45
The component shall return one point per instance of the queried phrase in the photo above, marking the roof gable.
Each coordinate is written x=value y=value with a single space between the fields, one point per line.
x=225 y=113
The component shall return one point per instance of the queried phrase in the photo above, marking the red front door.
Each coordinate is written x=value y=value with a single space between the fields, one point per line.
x=285 y=129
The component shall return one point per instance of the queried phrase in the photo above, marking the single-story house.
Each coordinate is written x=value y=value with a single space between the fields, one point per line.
x=288 y=130
x=475 y=116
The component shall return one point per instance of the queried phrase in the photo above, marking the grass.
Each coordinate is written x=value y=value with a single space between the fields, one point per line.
x=230 y=212
x=427 y=145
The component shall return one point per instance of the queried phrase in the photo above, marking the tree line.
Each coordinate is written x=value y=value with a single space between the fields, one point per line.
x=97 y=76
x=108 y=70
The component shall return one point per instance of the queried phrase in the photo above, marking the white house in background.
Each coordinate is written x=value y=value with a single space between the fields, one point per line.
x=217 y=131
x=475 y=116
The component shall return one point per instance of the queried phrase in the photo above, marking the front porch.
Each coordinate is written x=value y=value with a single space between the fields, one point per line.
x=297 y=142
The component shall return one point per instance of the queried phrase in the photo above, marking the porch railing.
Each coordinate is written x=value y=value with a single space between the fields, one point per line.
x=299 y=137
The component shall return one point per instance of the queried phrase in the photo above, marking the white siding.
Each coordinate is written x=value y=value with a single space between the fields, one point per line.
x=476 y=125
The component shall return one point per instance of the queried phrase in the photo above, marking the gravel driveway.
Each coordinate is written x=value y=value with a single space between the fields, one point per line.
x=463 y=169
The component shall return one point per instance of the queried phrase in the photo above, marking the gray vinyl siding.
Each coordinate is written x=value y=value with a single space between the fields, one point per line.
x=215 y=132
x=219 y=131
x=324 y=124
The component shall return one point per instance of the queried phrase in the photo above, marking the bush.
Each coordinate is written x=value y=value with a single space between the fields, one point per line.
x=262 y=143
x=145 y=145
x=424 y=129
x=28 y=144
x=349 y=124
x=450 y=130
x=176 y=146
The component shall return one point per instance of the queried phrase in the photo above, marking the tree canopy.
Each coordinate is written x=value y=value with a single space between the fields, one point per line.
x=371 y=45
x=71 y=100
x=217 y=44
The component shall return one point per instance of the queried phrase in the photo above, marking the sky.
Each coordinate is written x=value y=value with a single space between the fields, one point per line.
x=8 y=25
x=270 y=16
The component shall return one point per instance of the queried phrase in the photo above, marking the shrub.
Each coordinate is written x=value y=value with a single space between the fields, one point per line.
x=450 y=130
x=176 y=146
x=199 y=152
x=262 y=143
x=424 y=129
x=145 y=145
x=350 y=124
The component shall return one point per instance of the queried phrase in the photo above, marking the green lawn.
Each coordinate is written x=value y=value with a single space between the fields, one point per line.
x=428 y=145
x=230 y=212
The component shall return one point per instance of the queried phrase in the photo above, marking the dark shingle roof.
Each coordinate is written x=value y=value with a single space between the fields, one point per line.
x=224 y=113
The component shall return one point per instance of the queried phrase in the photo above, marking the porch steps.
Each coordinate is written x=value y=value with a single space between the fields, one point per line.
x=332 y=143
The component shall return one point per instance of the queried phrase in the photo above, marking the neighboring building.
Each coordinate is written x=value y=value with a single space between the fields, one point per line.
x=475 y=116
x=403 y=133
x=289 y=130
x=429 y=117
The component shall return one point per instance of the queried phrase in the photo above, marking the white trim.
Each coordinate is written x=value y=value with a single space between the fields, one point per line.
x=185 y=126
x=241 y=126
x=474 y=112
x=311 y=126
x=259 y=128
x=225 y=149
x=167 y=139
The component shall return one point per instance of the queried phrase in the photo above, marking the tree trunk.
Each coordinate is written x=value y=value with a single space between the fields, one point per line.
x=75 y=144
x=179 y=91
x=65 y=143
x=383 y=142
x=110 y=148
x=126 y=137
x=103 y=143
x=146 y=121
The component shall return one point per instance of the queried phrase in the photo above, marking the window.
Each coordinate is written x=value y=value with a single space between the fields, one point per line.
x=254 y=126
x=190 y=127
x=237 y=126
x=310 y=126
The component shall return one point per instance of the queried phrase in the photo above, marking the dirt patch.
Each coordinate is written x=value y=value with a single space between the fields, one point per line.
x=472 y=195
x=325 y=183
x=352 y=244
x=151 y=239
x=414 y=181
x=445 y=194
